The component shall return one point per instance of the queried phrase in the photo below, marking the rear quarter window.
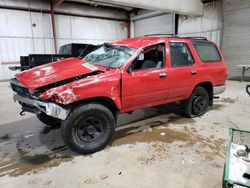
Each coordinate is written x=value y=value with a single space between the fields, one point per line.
x=207 y=51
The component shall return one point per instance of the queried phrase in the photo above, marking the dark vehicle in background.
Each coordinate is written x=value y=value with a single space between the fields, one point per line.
x=68 y=50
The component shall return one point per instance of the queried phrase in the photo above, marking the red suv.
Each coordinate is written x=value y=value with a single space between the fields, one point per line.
x=84 y=96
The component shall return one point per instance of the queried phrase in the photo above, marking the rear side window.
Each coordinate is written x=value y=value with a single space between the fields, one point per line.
x=207 y=51
x=180 y=54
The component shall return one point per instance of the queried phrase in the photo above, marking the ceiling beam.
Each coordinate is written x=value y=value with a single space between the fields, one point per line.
x=98 y=3
x=190 y=7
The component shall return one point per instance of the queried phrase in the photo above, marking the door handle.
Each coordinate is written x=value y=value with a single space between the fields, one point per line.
x=163 y=75
x=193 y=72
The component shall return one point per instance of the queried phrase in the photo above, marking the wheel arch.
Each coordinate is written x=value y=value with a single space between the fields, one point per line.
x=208 y=86
x=107 y=102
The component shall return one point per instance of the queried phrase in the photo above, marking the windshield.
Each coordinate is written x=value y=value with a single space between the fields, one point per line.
x=109 y=55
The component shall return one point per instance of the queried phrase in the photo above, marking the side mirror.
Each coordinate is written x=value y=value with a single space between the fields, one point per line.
x=141 y=56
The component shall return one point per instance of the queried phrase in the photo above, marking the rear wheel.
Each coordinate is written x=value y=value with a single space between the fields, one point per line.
x=88 y=128
x=197 y=104
x=48 y=120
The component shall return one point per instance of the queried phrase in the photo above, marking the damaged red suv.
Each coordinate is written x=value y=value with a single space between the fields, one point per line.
x=84 y=96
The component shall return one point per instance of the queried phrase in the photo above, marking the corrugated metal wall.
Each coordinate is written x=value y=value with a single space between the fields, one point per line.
x=236 y=35
x=156 y=25
x=209 y=25
x=22 y=32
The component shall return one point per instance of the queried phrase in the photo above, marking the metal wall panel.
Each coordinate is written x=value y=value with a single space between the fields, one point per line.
x=155 y=25
x=15 y=23
x=18 y=37
x=214 y=36
x=236 y=35
x=209 y=25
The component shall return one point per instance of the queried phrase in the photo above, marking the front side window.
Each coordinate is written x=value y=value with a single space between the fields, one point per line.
x=180 y=54
x=207 y=51
x=109 y=55
x=150 y=57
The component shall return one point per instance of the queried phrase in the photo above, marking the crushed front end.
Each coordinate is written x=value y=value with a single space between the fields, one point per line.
x=31 y=103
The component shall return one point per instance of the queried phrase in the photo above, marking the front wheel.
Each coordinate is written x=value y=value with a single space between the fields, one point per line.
x=197 y=104
x=88 y=128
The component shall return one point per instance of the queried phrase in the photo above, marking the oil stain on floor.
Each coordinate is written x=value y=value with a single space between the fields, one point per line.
x=32 y=164
x=163 y=132
x=24 y=154
x=229 y=100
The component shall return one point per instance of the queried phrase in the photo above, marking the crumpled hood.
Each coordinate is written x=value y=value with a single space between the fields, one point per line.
x=54 y=72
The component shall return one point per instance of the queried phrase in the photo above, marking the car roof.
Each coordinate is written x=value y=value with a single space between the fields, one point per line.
x=143 y=41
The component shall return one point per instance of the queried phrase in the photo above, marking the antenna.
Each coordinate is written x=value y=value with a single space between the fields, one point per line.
x=83 y=51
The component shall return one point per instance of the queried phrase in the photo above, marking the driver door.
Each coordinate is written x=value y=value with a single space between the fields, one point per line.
x=146 y=83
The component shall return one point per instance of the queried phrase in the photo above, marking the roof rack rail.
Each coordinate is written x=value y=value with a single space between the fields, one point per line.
x=177 y=36
x=161 y=34
x=199 y=38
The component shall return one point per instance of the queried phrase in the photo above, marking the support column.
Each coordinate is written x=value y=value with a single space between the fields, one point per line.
x=53 y=5
x=128 y=25
x=54 y=29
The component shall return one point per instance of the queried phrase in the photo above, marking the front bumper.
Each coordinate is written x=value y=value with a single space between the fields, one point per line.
x=48 y=108
x=219 y=89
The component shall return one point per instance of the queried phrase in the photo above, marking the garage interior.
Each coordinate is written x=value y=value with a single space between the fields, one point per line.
x=152 y=147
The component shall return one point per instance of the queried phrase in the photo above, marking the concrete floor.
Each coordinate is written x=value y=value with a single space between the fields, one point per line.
x=153 y=148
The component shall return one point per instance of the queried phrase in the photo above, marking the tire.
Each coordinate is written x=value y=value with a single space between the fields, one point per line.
x=197 y=104
x=48 y=120
x=88 y=128
x=248 y=89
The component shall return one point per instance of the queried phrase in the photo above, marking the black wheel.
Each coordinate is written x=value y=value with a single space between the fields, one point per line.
x=197 y=104
x=88 y=128
x=48 y=120
x=248 y=89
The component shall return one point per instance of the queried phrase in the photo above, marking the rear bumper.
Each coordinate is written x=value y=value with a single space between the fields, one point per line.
x=48 y=108
x=219 y=89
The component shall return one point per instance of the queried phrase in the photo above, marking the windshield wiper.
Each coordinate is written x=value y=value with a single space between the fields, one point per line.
x=83 y=51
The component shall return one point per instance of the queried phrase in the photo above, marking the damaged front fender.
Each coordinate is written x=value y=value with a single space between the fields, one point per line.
x=102 y=85
x=63 y=95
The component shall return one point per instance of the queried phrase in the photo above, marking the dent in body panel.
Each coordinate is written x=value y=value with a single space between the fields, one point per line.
x=105 y=85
